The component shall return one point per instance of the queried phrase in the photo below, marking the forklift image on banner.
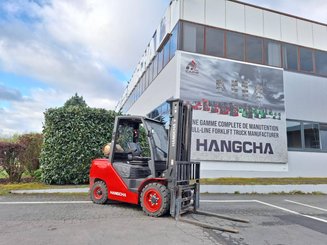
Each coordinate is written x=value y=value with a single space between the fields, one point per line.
x=160 y=177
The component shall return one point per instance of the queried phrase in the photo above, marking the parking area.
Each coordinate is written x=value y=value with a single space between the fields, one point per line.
x=72 y=219
x=274 y=219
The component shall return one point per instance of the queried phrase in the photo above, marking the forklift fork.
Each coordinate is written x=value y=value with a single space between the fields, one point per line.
x=187 y=195
x=183 y=175
x=210 y=226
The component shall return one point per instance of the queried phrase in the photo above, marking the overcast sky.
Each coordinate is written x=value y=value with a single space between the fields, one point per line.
x=50 y=49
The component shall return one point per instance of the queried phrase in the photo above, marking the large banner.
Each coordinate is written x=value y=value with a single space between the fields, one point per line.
x=238 y=110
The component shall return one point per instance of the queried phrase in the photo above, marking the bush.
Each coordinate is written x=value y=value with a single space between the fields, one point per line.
x=9 y=160
x=73 y=136
x=38 y=174
x=30 y=156
x=75 y=101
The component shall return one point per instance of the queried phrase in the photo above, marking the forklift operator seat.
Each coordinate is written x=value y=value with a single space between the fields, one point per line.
x=134 y=148
x=134 y=155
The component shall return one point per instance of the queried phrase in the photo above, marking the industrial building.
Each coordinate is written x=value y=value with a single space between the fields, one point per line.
x=257 y=81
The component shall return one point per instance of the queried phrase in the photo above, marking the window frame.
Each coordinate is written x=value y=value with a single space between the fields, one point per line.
x=316 y=51
x=227 y=44
x=223 y=32
x=303 y=148
x=265 y=54
x=285 y=57
x=196 y=25
x=300 y=48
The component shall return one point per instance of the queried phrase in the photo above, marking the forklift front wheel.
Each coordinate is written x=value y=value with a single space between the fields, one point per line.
x=155 y=199
x=99 y=192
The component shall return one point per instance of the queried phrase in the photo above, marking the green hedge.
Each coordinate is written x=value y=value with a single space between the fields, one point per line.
x=73 y=136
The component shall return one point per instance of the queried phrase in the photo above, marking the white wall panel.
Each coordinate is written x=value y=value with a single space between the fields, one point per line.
x=271 y=25
x=304 y=33
x=216 y=13
x=193 y=10
x=319 y=36
x=174 y=13
x=288 y=27
x=305 y=97
x=253 y=21
x=235 y=19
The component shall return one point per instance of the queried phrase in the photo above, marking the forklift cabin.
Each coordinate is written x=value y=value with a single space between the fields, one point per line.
x=144 y=143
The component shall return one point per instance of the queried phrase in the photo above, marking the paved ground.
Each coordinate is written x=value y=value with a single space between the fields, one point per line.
x=71 y=219
x=275 y=219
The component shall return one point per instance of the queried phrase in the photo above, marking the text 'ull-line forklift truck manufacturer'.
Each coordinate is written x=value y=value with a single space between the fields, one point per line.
x=159 y=175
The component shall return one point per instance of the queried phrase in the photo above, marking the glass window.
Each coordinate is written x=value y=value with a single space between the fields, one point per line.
x=235 y=45
x=124 y=135
x=148 y=79
x=311 y=135
x=272 y=51
x=306 y=62
x=141 y=86
x=166 y=108
x=214 y=42
x=150 y=69
x=160 y=138
x=173 y=42
x=321 y=62
x=323 y=136
x=144 y=81
x=193 y=38
x=155 y=66
x=135 y=93
x=149 y=75
x=143 y=141
x=155 y=40
x=138 y=91
x=166 y=53
x=160 y=60
x=293 y=134
x=290 y=56
x=254 y=49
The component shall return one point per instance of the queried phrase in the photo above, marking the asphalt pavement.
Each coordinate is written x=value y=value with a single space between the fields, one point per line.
x=73 y=219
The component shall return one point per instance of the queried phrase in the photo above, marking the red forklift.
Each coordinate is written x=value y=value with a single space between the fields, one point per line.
x=156 y=174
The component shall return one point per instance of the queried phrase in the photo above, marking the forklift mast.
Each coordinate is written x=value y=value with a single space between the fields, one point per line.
x=180 y=132
x=183 y=175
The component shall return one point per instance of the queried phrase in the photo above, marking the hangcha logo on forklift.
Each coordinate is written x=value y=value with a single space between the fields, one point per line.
x=117 y=193
x=192 y=67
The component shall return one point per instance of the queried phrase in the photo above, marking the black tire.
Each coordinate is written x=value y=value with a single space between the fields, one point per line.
x=155 y=199
x=99 y=192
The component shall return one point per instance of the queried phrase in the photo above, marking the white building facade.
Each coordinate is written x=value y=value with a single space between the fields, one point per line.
x=257 y=81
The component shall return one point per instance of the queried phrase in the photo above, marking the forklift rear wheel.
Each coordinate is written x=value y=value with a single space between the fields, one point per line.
x=99 y=192
x=155 y=199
